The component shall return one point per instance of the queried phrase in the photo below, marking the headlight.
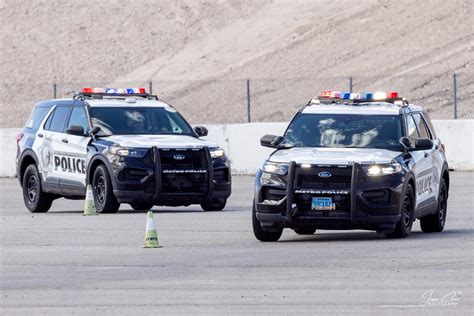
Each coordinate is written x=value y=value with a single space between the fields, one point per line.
x=381 y=170
x=128 y=152
x=216 y=152
x=275 y=167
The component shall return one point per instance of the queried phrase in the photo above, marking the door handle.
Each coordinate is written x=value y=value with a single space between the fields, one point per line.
x=64 y=140
x=40 y=135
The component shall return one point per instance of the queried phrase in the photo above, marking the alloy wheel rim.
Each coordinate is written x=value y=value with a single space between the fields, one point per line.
x=100 y=189
x=32 y=189
x=406 y=212
x=442 y=206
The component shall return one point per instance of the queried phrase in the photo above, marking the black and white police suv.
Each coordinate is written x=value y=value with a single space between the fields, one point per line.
x=353 y=161
x=129 y=146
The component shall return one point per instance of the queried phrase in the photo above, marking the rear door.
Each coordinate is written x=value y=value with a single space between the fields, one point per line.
x=423 y=166
x=432 y=157
x=73 y=153
x=43 y=147
x=50 y=164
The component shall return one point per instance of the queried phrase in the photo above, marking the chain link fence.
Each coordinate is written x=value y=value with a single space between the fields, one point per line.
x=444 y=96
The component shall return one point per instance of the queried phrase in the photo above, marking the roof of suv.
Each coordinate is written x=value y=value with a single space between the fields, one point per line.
x=113 y=102
x=125 y=102
x=369 y=108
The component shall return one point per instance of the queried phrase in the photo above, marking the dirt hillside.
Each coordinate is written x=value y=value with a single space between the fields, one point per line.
x=107 y=42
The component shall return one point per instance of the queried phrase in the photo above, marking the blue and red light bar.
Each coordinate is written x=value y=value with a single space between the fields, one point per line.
x=329 y=95
x=113 y=91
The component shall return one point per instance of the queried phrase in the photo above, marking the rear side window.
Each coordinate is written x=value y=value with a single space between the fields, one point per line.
x=57 y=120
x=36 y=117
x=421 y=126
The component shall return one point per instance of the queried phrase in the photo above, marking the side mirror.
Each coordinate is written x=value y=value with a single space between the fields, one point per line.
x=406 y=142
x=200 y=131
x=271 y=141
x=95 y=130
x=75 y=130
x=423 y=144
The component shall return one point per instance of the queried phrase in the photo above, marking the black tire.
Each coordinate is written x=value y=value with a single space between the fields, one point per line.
x=259 y=233
x=305 y=231
x=214 y=205
x=141 y=206
x=36 y=201
x=104 y=198
x=407 y=206
x=434 y=223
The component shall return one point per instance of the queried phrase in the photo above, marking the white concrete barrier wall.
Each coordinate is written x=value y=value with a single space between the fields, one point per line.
x=242 y=144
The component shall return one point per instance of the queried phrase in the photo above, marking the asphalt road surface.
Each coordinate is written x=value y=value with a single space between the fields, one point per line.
x=210 y=263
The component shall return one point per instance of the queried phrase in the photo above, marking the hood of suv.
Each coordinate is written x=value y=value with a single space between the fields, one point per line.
x=334 y=156
x=160 y=141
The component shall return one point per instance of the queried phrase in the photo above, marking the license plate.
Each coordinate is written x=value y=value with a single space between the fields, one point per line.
x=322 y=204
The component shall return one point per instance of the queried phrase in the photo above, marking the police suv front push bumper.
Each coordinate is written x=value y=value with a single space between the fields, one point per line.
x=362 y=201
x=160 y=179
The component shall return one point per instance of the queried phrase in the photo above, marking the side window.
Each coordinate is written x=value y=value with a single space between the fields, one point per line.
x=411 y=128
x=58 y=119
x=430 y=124
x=36 y=117
x=78 y=117
x=47 y=124
x=421 y=126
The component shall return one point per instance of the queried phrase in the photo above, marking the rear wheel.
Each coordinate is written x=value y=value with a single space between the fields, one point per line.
x=141 y=206
x=214 y=205
x=104 y=198
x=434 y=223
x=259 y=233
x=305 y=231
x=403 y=228
x=36 y=201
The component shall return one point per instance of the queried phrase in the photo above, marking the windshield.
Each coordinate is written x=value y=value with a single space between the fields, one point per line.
x=139 y=120
x=345 y=131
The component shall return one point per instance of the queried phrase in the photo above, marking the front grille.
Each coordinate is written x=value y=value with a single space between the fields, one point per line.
x=184 y=171
x=337 y=186
x=309 y=178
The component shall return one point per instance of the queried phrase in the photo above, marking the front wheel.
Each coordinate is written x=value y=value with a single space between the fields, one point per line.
x=214 y=205
x=259 y=233
x=403 y=228
x=36 y=201
x=104 y=198
x=434 y=223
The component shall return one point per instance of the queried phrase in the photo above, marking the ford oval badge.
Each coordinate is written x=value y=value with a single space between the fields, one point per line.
x=324 y=174
x=179 y=157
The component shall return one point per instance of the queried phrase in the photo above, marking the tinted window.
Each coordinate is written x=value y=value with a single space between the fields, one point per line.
x=430 y=124
x=59 y=118
x=345 y=131
x=421 y=126
x=139 y=120
x=411 y=128
x=36 y=117
x=78 y=117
